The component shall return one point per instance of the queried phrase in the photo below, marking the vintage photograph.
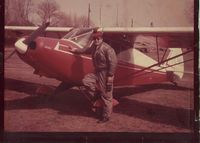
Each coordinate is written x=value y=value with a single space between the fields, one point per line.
x=99 y=66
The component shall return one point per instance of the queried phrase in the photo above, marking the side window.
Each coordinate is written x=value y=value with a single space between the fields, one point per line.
x=126 y=56
x=83 y=39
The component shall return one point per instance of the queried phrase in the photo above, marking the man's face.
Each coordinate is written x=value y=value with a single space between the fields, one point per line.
x=98 y=41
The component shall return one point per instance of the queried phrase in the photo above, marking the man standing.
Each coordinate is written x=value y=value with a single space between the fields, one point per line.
x=101 y=80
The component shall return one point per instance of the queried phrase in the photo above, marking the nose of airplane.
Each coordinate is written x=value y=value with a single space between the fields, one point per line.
x=20 y=46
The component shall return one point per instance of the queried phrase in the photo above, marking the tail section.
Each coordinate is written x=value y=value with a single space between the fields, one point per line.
x=176 y=65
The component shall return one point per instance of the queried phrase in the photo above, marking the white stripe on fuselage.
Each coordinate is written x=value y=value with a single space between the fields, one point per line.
x=70 y=53
x=73 y=43
x=85 y=57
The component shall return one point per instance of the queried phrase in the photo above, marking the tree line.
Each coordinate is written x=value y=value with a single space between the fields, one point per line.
x=29 y=13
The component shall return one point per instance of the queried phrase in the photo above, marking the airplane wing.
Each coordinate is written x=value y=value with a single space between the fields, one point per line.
x=123 y=38
x=160 y=42
x=130 y=32
x=148 y=37
x=171 y=31
x=148 y=30
x=115 y=30
x=14 y=32
x=32 y=28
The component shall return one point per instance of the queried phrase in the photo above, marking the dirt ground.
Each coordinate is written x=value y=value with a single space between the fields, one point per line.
x=156 y=108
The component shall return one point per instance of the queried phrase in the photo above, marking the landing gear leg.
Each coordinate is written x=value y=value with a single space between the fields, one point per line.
x=62 y=87
x=59 y=89
x=172 y=78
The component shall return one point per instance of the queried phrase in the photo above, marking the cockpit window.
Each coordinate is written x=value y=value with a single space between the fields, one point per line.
x=81 y=36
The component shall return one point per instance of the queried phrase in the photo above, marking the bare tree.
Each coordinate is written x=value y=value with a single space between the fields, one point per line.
x=75 y=20
x=20 y=12
x=17 y=12
x=81 y=21
x=27 y=9
x=7 y=12
x=189 y=11
x=64 y=20
x=48 y=10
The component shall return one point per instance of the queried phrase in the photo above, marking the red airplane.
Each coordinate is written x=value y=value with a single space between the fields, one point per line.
x=51 y=57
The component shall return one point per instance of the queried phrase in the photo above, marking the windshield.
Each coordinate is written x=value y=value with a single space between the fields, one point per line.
x=81 y=36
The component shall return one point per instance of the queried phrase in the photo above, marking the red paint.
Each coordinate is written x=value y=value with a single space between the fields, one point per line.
x=71 y=68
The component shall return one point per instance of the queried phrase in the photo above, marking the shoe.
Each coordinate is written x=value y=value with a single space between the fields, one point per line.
x=103 y=120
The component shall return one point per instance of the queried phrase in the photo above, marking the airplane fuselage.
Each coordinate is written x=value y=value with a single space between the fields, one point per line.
x=52 y=58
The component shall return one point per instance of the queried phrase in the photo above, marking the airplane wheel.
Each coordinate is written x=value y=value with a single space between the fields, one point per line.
x=62 y=87
x=44 y=90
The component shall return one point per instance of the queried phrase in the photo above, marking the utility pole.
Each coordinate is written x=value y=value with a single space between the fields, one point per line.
x=89 y=10
x=100 y=14
x=151 y=24
x=132 y=22
x=117 y=24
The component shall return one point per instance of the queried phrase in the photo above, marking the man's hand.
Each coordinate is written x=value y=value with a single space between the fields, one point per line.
x=73 y=50
x=110 y=78
x=109 y=83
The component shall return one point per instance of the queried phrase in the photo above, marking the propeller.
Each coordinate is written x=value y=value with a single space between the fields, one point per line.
x=36 y=33
x=10 y=55
x=22 y=44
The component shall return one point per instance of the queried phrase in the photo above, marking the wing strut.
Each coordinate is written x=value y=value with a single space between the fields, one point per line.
x=161 y=62
x=157 y=48
x=165 y=67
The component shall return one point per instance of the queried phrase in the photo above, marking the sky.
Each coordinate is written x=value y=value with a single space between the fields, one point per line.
x=123 y=12
x=131 y=12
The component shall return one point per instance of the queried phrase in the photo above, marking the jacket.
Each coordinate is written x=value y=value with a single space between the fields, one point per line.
x=103 y=57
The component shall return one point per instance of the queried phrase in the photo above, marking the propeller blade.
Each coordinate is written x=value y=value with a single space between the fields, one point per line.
x=36 y=33
x=10 y=55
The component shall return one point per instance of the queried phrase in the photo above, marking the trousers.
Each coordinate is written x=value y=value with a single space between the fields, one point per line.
x=96 y=83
